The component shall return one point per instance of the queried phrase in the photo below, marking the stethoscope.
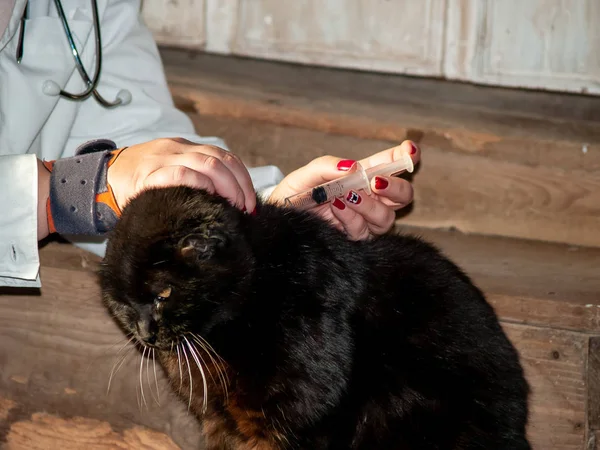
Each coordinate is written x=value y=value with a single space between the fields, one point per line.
x=52 y=88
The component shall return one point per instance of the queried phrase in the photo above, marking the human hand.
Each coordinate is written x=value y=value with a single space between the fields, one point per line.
x=172 y=162
x=364 y=215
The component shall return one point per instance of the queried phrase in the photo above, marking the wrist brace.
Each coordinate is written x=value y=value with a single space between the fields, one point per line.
x=81 y=201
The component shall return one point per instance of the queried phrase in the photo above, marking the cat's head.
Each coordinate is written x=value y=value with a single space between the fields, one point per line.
x=176 y=263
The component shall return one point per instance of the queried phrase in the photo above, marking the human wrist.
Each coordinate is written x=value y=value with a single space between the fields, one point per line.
x=80 y=200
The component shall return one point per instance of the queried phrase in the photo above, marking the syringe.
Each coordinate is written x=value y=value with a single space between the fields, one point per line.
x=360 y=179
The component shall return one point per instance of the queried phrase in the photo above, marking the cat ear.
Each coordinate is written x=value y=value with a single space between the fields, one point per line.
x=195 y=247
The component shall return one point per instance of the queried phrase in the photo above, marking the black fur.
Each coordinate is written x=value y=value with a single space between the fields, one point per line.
x=380 y=344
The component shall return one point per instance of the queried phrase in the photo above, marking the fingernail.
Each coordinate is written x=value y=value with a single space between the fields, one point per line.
x=244 y=209
x=339 y=204
x=381 y=183
x=345 y=164
x=353 y=197
x=253 y=213
x=413 y=148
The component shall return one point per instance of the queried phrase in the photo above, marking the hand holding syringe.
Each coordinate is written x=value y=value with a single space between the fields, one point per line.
x=360 y=179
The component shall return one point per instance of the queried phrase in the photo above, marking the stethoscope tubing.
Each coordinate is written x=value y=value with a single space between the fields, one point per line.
x=50 y=87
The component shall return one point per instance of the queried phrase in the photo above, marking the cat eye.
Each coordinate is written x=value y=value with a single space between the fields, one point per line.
x=164 y=294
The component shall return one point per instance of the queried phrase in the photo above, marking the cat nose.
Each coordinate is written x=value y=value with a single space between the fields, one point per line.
x=151 y=339
x=146 y=332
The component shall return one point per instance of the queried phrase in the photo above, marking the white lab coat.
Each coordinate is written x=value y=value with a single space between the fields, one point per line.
x=49 y=127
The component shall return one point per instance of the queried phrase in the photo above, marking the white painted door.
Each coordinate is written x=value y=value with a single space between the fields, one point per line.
x=539 y=44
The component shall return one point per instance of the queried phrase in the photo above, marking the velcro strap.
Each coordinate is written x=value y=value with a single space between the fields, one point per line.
x=81 y=201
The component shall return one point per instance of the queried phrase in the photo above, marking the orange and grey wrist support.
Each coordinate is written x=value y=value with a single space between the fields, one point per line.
x=81 y=201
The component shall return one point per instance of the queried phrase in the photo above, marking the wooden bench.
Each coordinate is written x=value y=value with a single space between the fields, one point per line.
x=504 y=189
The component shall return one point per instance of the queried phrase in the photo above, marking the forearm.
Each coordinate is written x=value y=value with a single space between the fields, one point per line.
x=19 y=261
x=43 y=177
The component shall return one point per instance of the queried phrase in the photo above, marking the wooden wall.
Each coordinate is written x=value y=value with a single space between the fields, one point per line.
x=539 y=44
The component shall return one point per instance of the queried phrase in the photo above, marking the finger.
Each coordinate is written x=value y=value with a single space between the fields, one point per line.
x=235 y=165
x=223 y=179
x=168 y=176
x=393 y=154
x=326 y=213
x=319 y=171
x=352 y=222
x=379 y=218
x=392 y=191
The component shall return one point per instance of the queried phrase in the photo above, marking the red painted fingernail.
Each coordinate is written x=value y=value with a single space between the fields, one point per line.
x=253 y=213
x=244 y=209
x=345 y=164
x=339 y=204
x=413 y=148
x=353 y=197
x=381 y=183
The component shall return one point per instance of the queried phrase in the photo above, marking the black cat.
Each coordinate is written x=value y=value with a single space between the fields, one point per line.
x=295 y=337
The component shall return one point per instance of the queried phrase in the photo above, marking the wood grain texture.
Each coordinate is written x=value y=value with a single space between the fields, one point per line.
x=529 y=128
x=529 y=282
x=554 y=362
x=593 y=386
x=44 y=431
x=474 y=194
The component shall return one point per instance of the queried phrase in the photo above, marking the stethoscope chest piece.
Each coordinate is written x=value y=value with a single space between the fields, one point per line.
x=52 y=88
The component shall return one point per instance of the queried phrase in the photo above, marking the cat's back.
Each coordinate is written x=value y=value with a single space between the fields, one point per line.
x=427 y=319
x=428 y=345
x=404 y=268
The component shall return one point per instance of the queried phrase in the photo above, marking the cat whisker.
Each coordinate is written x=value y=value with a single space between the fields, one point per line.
x=111 y=346
x=199 y=354
x=179 y=365
x=148 y=376
x=199 y=365
x=215 y=365
x=221 y=371
x=155 y=377
x=200 y=338
x=117 y=365
x=159 y=262
x=141 y=381
x=189 y=374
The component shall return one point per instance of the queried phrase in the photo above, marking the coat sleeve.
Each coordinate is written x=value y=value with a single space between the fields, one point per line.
x=131 y=61
x=19 y=260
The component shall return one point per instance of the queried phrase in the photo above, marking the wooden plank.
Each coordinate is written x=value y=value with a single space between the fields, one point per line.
x=554 y=362
x=521 y=268
x=44 y=431
x=529 y=128
x=529 y=282
x=593 y=386
x=471 y=193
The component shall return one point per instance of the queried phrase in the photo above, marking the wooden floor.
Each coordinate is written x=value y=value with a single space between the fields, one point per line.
x=504 y=189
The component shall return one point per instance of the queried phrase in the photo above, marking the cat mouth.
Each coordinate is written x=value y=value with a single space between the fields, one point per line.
x=155 y=344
